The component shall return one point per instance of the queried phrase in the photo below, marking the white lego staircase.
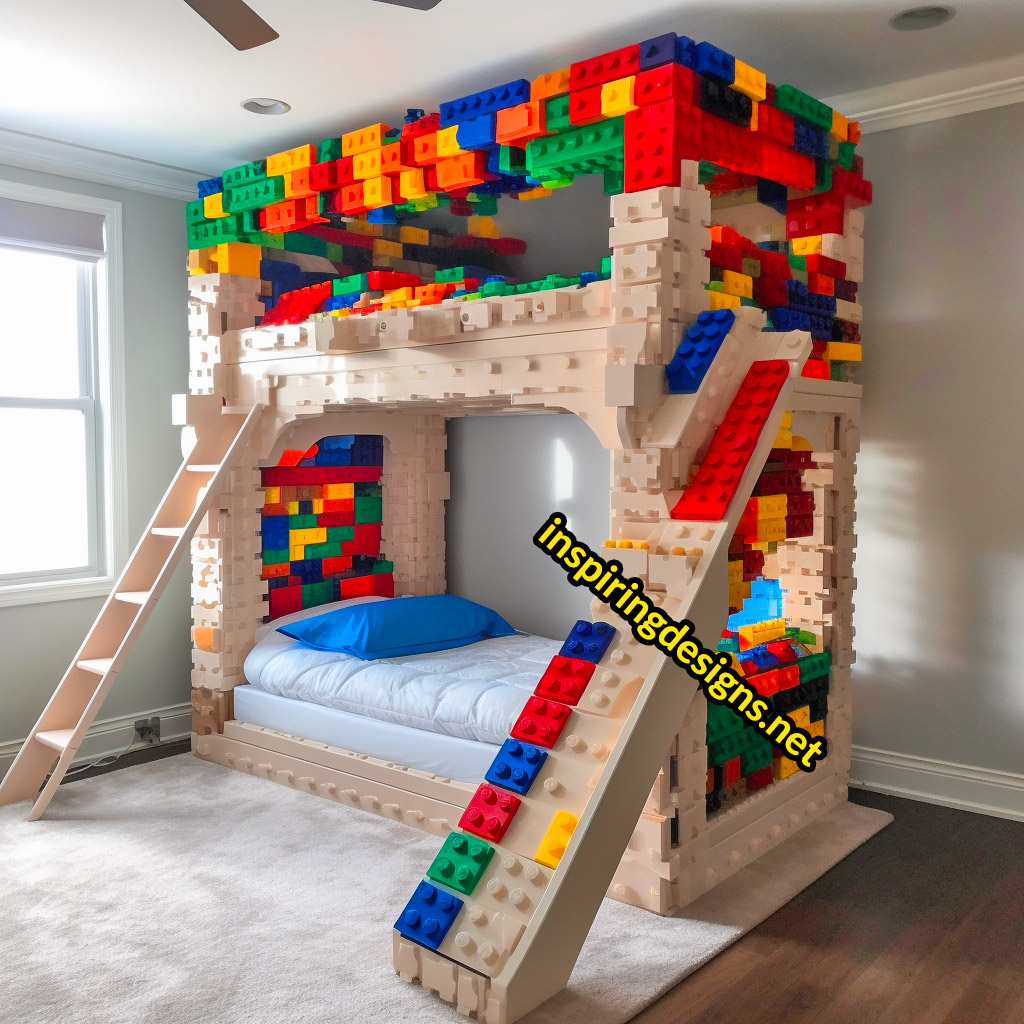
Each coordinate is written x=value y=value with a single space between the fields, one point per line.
x=51 y=746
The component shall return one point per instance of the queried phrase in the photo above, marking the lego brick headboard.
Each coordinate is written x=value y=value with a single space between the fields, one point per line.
x=321 y=524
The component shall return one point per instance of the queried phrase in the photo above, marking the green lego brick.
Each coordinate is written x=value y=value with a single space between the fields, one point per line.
x=556 y=114
x=350 y=285
x=846 y=154
x=367 y=489
x=297 y=241
x=805 y=107
x=706 y=172
x=449 y=276
x=714 y=286
x=814 y=666
x=383 y=565
x=722 y=721
x=325 y=550
x=805 y=636
x=275 y=557
x=368 y=510
x=512 y=160
x=195 y=212
x=725 y=749
x=340 y=533
x=304 y=522
x=271 y=240
x=317 y=593
x=822 y=175
x=213 y=232
x=614 y=181
x=461 y=862
x=244 y=173
x=606 y=266
x=588 y=150
x=757 y=755
x=328 y=149
x=490 y=288
x=335 y=253
x=484 y=206
x=798 y=262
x=254 y=195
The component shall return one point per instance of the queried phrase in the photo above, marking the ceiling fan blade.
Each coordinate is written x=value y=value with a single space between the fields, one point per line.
x=416 y=5
x=236 y=21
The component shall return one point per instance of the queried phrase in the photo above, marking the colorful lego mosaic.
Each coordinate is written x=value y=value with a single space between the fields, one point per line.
x=321 y=524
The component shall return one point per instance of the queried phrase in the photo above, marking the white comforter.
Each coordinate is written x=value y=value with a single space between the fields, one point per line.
x=475 y=692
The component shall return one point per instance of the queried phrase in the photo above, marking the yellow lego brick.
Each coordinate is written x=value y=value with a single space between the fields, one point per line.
x=378 y=192
x=366 y=165
x=801 y=716
x=200 y=261
x=362 y=139
x=293 y=508
x=735 y=572
x=555 y=840
x=296 y=552
x=290 y=160
x=846 y=351
x=540 y=192
x=750 y=81
x=807 y=246
x=737 y=284
x=318 y=506
x=783 y=767
x=722 y=300
x=447 y=145
x=816 y=728
x=840 y=127
x=783 y=439
x=753 y=116
x=213 y=205
x=337 y=492
x=310 y=535
x=772 y=506
x=787 y=419
x=482 y=227
x=617 y=97
x=413 y=236
x=239 y=258
x=362 y=227
x=745 y=589
x=412 y=185
x=382 y=247
x=771 y=530
x=272 y=495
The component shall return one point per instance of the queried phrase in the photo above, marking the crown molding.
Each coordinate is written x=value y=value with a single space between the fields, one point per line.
x=931 y=97
x=51 y=156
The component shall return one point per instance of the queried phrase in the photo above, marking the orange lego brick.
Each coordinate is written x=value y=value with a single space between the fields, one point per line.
x=519 y=123
x=362 y=139
x=554 y=83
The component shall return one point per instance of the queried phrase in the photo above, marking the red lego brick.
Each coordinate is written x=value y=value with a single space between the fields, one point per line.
x=814 y=215
x=489 y=812
x=656 y=138
x=821 y=284
x=778 y=482
x=386 y=280
x=770 y=291
x=366 y=539
x=800 y=504
x=295 y=306
x=774 y=264
x=818 y=264
x=707 y=498
x=782 y=650
x=760 y=779
x=731 y=772
x=383 y=584
x=585 y=105
x=729 y=256
x=605 y=68
x=336 y=563
x=799 y=526
x=753 y=563
x=852 y=187
x=565 y=679
x=285 y=600
x=666 y=82
x=541 y=722
x=789 y=676
x=766 y=683
x=775 y=124
x=277 y=476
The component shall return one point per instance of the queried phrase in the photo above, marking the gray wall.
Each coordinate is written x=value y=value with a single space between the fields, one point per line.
x=37 y=641
x=941 y=551
x=940 y=566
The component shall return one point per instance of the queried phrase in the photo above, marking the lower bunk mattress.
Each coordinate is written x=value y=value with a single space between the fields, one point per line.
x=450 y=756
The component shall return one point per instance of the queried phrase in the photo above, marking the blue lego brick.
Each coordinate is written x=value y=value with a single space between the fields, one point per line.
x=697 y=350
x=710 y=60
x=339 y=302
x=477 y=133
x=588 y=640
x=337 y=442
x=465 y=108
x=413 y=114
x=274 y=530
x=809 y=302
x=784 y=319
x=821 y=326
x=382 y=215
x=760 y=657
x=772 y=194
x=810 y=140
x=588 y=277
x=657 y=51
x=209 y=186
x=516 y=766
x=428 y=915
x=686 y=53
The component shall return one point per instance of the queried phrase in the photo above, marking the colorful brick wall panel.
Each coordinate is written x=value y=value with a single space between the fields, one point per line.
x=321 y=525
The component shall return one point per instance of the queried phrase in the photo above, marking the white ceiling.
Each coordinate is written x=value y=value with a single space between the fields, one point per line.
x=149 y=79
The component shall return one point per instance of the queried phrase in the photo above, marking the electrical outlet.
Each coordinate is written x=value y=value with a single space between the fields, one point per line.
x=147 y=730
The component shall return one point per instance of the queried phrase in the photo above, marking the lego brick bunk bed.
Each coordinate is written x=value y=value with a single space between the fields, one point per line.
x=319 y=306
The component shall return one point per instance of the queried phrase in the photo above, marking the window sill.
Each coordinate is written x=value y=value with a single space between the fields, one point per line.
x=56 y=590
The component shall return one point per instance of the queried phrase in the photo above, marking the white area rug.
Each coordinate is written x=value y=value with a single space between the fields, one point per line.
x=179 y=892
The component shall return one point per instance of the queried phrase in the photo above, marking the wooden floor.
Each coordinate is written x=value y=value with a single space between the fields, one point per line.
x=924 y=924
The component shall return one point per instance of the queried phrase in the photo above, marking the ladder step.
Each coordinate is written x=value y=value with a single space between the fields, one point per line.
x=132 y=596
x=98 y=666
x=167 y=531
x=199 y=468
x=56 y=739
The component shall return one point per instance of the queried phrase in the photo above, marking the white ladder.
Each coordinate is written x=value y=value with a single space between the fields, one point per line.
x=51 y=746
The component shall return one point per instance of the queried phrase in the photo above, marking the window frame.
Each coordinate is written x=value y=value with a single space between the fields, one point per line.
x=101 y=340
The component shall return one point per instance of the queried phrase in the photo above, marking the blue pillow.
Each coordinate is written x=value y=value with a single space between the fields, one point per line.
x=399 y=627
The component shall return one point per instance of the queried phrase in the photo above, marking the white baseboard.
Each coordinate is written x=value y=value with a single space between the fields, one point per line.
x=965 y=787
x=114 y=735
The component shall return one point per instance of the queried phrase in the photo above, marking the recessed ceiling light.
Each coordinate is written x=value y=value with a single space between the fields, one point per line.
x=264 y=105
x=917 y=18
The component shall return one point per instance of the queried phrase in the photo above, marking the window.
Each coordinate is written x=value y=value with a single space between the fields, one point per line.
x=61 y=498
